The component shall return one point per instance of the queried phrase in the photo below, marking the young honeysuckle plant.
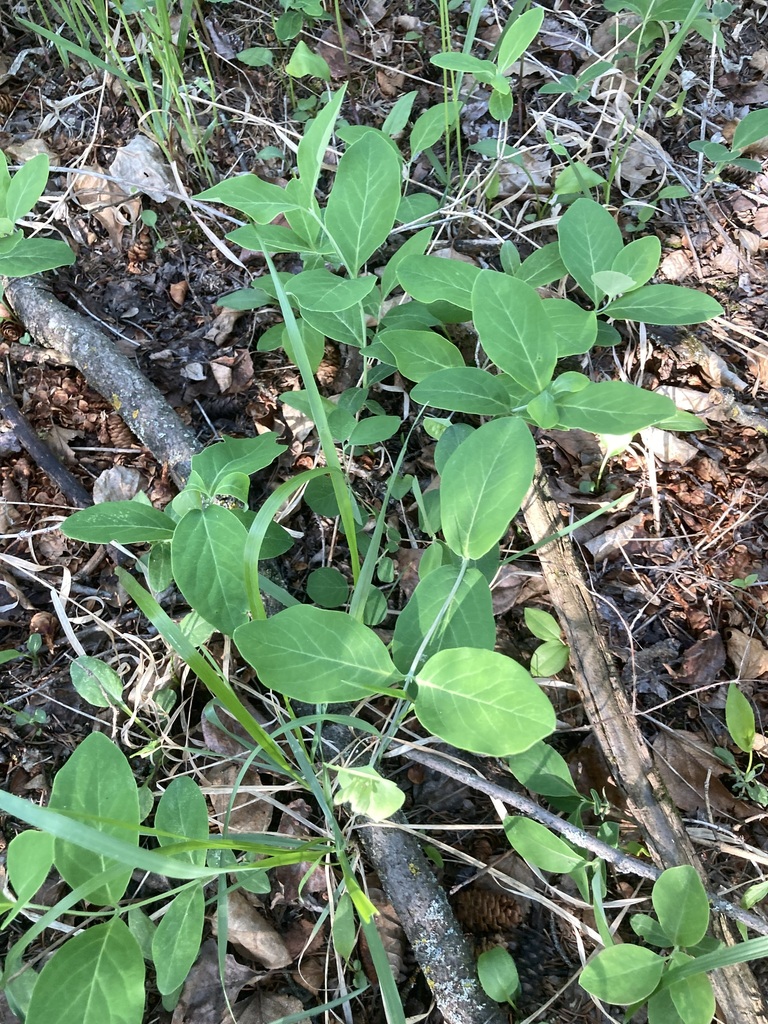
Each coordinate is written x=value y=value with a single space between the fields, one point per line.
x=751 y=129
x=21 y=256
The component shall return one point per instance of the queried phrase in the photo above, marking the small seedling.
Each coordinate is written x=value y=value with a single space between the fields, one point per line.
x=740 y=722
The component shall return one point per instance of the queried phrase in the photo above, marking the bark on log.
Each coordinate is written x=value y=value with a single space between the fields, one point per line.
x=77 y=342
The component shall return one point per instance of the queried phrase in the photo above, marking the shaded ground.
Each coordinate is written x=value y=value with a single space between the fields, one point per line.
x=662 y=569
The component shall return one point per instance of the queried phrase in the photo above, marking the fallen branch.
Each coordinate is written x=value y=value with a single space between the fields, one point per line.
x=616 y=729
x=39 y=451
x=78 y=343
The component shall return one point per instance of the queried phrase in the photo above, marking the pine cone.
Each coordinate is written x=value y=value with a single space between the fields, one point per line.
x=485 y=910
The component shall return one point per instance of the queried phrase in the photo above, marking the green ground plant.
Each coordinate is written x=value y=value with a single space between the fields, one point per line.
x=159 y=36
x=321 y=649
x=19 y=194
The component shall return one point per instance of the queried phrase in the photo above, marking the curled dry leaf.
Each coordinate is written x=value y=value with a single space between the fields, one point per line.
x=141 y=167
x=265 y=1007
x=702 y=662
x=203 y=998
x=120 y=483
x=297 y=879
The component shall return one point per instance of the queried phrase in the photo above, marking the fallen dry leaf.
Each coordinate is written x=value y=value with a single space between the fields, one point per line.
x=119 y=483
x=265 y=1007
x=202 y=998
x=249 y=812
x=702 y=662
x=140 y=166
x=250 y=933
x=748 y=655
x=690 y=771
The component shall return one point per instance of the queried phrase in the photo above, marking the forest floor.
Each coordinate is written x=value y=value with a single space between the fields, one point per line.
x=678 y=570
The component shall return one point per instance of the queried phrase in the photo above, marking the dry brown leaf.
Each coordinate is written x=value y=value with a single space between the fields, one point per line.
x=119 y=483
x=140 y=166
x=297 y=879
x=249 y=812
x=702 y=662
x=612 y=541
x=691 y=773
x=251 y=934
x=748 y=655
x=202 y=998
x=265 y=1007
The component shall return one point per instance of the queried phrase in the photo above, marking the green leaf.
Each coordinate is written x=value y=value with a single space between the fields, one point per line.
x=258 y=199
x=34 y=256
x=463 y=62
x=484 y=484
x=127 y=522
x=517 y=37
x=324 y=292
x=313 y=144
x=96 y=977
x=549 y=659
x=207 y=554
x=432 y=125
x=577 y=178
x=623 y=974
x=514 y=328
x=449 y=441
x=96 y=682
x=398 y=116
x=537 y=845
x=234 y=455
x=97 y=783
x=590 y=240
x=434 y=279
x=497 y=974
x=256 y=57
x=665 y=304
x=639 y=260
x=681 y=905
x=26 y=187
x=463 y=389
x=613 y=407
x=374 y=430
x=419 y=353
x=661 y=1009
x=176 y=941
x=542 y=624
x=574 y=328
x=751 y=129
x=693 y=997
x=29 y=859
x=413 y=246
x=343 y=930
x=183 y=813
x=481 y=701
x=650 y=931
x=467 y=621
x=304 y=63
x=612 y=283
x=327 y=587
x=363 y=203
x=316 y=655
x=740 y=719
x=367 y=792
x=543 y=266
x=545 y=772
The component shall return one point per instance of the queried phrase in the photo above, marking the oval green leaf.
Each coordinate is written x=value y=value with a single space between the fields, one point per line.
x=681 y=905
x=97 y=783
x=363 y=203
x=484 y=483
x=740 y=719
x=434 y=279
x=590 y=240
x=468 y=619
x=95 y=978
x=465 y=389
x=613 y=407
x=514 y=329
x=538 y=846
x=419 y=353
x=207 y=555
x=182 y=813
x=481 y=701
x=96 y=682
x=176 y=941
x=623 y=974
x=665 y=304
x=126 y=522
x=316 y=655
